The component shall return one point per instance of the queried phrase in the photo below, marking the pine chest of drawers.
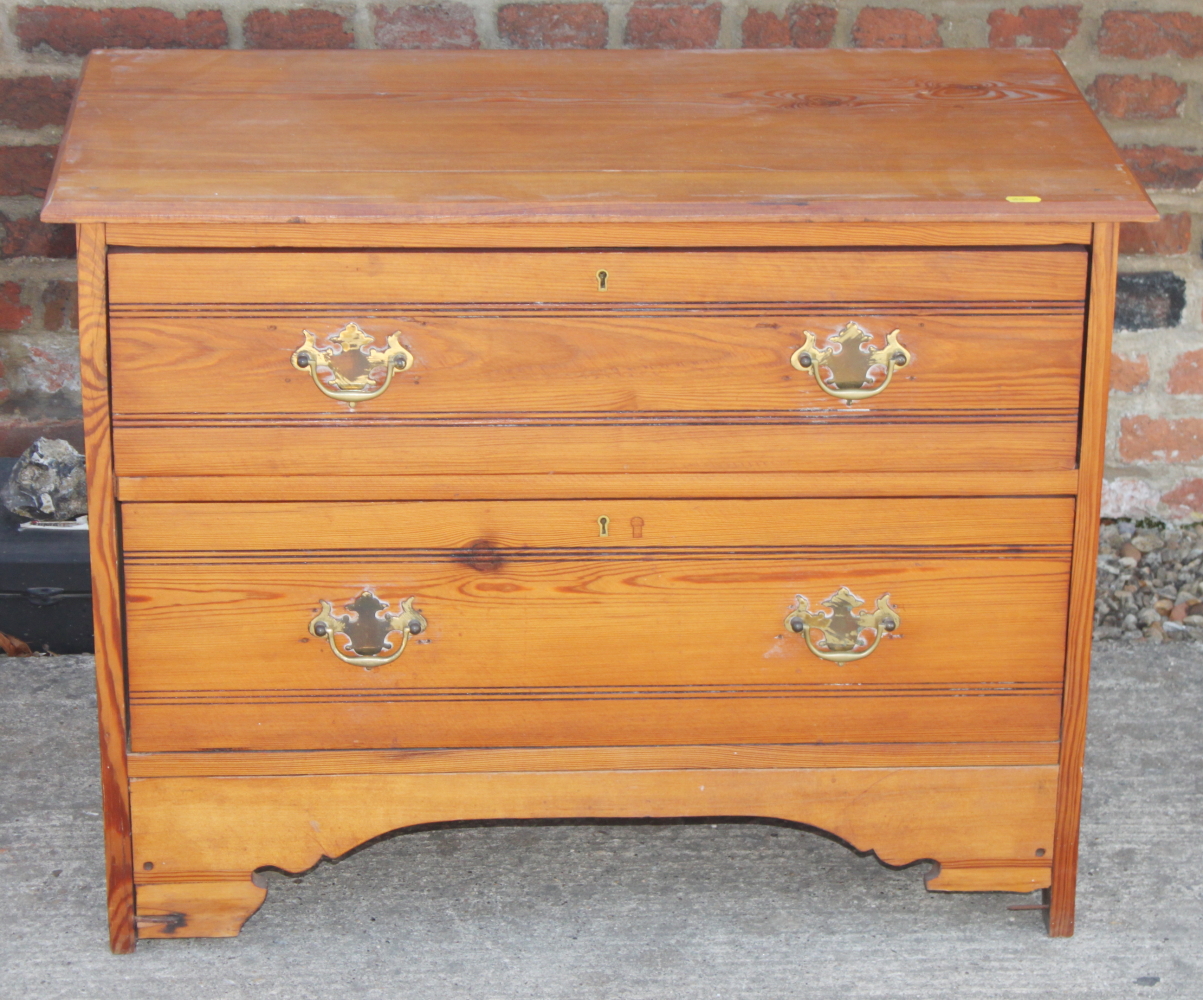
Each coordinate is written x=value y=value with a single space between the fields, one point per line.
x=478 y=435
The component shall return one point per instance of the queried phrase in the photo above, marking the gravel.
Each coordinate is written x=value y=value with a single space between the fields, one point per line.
x=1150 y=582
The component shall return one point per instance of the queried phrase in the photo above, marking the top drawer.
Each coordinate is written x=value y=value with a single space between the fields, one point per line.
x=620 y=361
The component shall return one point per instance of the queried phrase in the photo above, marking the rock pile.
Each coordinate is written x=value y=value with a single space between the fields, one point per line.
x=1150 y=582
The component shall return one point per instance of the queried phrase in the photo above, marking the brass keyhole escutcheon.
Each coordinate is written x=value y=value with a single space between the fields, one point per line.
x=603 y=527
x=602 y=278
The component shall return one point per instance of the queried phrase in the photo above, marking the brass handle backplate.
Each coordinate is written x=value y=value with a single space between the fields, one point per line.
x=849 y=364
x=353 y=363
x=842 y=628
x=368 y=633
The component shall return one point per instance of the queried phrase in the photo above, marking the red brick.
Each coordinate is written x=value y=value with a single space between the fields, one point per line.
x=803 y=26
x=1156 y=439
x=1034 y=27
x=25 y=170
x=12 y=313
x=1169 y=236
x=1129 y=374
x=1188 y=493
x=304 y=28
x=76 y=31
x=1186 y=374
x=1135 y=97
x=30 y=237
x=667 y=24
x=554 y=25
x=60 y=306
x=896 y=28
x=426 y=26
x=33 y=101
x=1165 y=166
x=1134 y=34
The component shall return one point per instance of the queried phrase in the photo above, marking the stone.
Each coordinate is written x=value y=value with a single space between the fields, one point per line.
x=1146 y=543
x=47 y=483
x=1178 y=613
x=1147 y=616
x=1130 y=551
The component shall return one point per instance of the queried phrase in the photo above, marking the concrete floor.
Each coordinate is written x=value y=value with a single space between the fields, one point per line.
x=616 y=911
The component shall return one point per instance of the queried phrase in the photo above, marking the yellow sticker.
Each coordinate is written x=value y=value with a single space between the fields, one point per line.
x=1023 y=197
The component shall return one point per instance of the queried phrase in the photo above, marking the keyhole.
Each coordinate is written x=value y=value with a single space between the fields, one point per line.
x=636 y=527
x=601 y=280
x=603 y=527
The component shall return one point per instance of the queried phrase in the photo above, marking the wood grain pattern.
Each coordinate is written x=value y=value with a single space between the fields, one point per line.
x=218 y=487
x=639 y=387
x=232 y=763
x=1096 y=382
x=106 y=585
x=688 y=447
x=572 y=367
x=541 y=633
x=502 y=136
x=198 y=840
x=217 y=531
x=152 y=282
x=356 y=236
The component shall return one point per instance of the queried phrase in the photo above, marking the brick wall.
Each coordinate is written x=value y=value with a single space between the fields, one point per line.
x=1140 y=63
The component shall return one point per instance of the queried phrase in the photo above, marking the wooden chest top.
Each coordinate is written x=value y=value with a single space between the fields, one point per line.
x=619 y=136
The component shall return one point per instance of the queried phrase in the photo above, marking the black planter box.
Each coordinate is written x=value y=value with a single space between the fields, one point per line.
x=45 y=585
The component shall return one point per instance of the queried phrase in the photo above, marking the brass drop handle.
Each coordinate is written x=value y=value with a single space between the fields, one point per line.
x=368 y=633
x=352 y=363
x=843 y=627
x=849 y=363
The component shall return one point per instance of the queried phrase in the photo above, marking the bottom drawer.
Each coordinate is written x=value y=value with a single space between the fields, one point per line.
x=562 y=623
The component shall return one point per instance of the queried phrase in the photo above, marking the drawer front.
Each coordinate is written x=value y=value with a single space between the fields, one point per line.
x=675 y=626
x=521 y=362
